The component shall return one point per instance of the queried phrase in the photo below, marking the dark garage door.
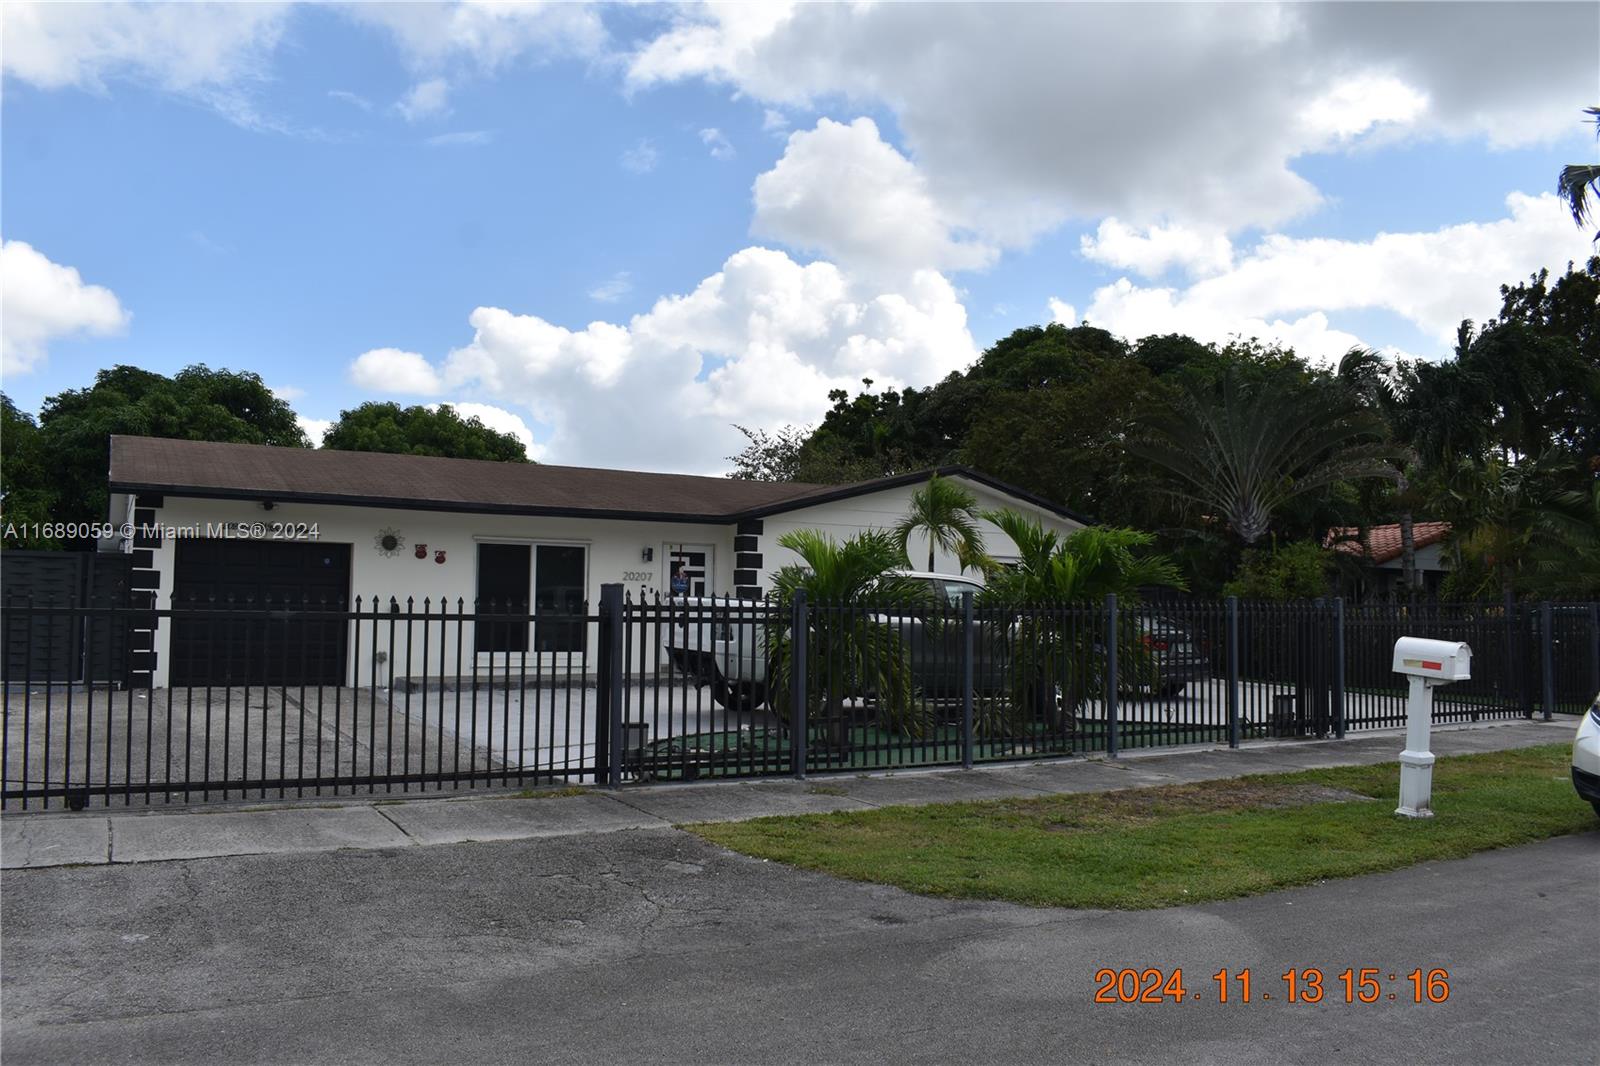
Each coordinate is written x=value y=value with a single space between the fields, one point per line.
x=269 y=625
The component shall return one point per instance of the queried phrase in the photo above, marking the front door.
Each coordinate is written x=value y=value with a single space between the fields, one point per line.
x=690 y=568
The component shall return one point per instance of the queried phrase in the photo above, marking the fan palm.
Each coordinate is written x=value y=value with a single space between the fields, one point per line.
x=850 y=651
x=1577 y=180
x=947 y=514
x=1052 y=650
x=1244 y=452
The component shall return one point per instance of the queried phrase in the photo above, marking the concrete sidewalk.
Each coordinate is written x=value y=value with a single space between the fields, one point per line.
x=30 y=841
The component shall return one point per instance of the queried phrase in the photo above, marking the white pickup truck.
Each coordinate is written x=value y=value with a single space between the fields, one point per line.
x=720 y=643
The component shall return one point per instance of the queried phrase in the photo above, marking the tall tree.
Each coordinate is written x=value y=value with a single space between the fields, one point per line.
x=773 y=456
x=1566 y=545
x=1369 y=378
x=1243 y=451
x=27 y=493
x=946 y=514
x=418 y=430
x=197 y=403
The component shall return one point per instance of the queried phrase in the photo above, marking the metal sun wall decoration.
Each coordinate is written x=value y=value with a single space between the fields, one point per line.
x=389 y=542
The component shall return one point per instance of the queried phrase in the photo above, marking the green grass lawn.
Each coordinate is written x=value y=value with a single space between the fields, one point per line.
x=1160 y=847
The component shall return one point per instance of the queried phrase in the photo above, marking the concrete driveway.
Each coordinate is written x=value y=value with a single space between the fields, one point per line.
x=654 y=946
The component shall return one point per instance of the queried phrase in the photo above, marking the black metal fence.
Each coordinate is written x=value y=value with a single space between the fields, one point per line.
x=284 y=700
x=412 y=705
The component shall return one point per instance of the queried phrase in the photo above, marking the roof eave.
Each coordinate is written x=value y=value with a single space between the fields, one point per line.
x=865 y=488
x=446 y=506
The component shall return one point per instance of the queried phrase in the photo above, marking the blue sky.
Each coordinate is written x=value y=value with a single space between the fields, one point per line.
x=438 y=204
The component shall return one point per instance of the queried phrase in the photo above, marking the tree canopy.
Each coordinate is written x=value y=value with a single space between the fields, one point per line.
x=1072 y=414
x=419 y=430
x=59 y=471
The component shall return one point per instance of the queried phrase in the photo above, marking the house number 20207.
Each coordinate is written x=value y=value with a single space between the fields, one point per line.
x=638 y=575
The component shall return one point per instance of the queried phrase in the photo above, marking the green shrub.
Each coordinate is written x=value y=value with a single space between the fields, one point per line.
x=1294 y=571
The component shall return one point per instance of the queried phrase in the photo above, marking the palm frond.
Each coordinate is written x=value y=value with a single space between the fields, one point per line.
x=945 y=513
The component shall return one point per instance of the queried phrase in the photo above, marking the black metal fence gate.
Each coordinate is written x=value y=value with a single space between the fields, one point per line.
x=399 y=697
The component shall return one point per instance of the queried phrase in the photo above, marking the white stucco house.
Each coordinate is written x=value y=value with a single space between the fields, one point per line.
x=248 y=522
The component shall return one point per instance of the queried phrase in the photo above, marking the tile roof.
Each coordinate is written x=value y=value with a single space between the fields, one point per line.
x=1383 y=542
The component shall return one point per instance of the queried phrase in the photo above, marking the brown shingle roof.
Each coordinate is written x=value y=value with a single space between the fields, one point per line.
x=1383 y=542
x=256 y=471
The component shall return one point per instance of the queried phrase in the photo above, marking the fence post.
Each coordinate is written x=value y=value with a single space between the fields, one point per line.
x=1338 y=667
x=966 y=679
x=799 y=628
x=608 y=727
x=1594 y=647
x=1233 y=672
x=1547 y=661
x=1111 y=674
x=1516 y=667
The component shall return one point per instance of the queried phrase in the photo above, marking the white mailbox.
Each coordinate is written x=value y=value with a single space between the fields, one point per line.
x=1438 y=660
x=1425 y=664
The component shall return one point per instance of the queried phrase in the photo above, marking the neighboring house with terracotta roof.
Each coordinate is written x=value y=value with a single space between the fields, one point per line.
x=341 y=524
x=1377 y=550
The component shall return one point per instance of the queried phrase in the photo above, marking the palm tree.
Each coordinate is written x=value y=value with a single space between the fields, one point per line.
x=1566 y=545
x=947 y=514
x=1577 y=180
x=1243 y=452
x=850 y=652
x=1050 y=650
x=1500 y=505
x=1082 y=567
x=1366 y=373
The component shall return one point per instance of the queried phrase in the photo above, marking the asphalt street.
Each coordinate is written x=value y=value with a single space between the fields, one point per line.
x=654 y=946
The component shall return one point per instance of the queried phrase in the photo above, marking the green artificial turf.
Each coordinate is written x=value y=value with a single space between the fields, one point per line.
x=1160 y=847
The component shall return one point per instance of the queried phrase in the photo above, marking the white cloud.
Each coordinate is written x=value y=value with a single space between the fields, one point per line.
x=1153 y=250
x=498 y=419
x=1353 y=107
x=612 y=289
x=394 y=371
x=353 y=99
x=425 y=100
x=314 y=428
x=761 y=342
x=460 y=139
x=287 y=393
x=181 y=47
x=774 y=121
x=641 y=158
x=1284 y=288
x=487 y=35
x=218 y=53
x=840 y=190
x=1062 y=312
x=1142 y=113
x=42 y=301
x=718 y=144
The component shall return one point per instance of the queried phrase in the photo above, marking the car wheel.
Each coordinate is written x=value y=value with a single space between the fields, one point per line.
x=1173 y=688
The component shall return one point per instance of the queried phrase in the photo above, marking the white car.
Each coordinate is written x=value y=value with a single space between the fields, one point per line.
x=1586 y=757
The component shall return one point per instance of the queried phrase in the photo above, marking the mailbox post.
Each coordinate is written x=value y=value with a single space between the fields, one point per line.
x=1426 y=664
